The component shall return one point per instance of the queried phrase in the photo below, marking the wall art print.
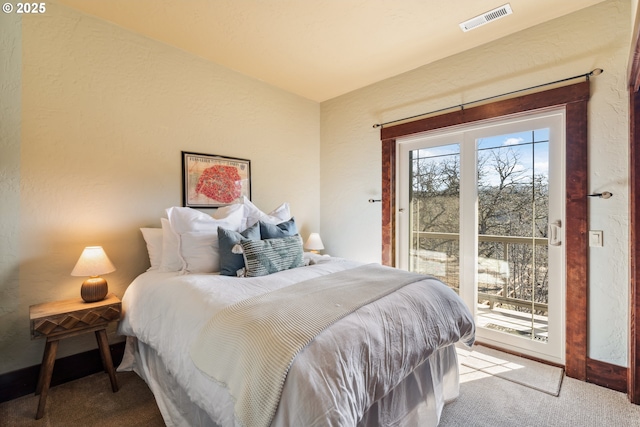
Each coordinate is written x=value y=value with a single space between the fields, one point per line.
x=211 y=181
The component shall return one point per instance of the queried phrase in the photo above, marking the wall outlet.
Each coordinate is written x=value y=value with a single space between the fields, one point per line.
x=595 y=238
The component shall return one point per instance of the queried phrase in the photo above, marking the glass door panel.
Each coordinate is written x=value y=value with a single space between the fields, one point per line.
x=434 y=214
x=513 y=219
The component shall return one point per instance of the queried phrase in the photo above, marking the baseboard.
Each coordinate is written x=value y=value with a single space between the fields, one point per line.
x=607 y=375
x=23 y=381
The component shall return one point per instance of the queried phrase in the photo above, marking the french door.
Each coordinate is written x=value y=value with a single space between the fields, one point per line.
x=481 y=207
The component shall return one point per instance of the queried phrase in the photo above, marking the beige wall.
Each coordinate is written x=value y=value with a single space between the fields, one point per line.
x=571 y=45
x=91 y=151
x=10 y=107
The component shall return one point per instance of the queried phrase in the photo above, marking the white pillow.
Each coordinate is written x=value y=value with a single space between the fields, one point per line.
x=183 y=220
x=281 y=213
x=252 y=214
x=171 y=260
x=229 y=210
x=153 y=239
x=197 y=235
x=200 y=251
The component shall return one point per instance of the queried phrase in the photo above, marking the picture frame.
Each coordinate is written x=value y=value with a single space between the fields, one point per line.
x=212 y=181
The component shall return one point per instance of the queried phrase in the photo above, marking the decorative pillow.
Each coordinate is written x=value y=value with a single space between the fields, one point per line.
x=262 y=257
x=171 y=260
x=197 y=235
x=230 y=262
x=153 y=239
x=276 y=231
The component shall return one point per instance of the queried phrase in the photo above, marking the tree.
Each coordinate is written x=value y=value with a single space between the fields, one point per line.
x=512 y=201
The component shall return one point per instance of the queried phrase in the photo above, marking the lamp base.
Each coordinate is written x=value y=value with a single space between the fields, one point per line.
x=94 y=289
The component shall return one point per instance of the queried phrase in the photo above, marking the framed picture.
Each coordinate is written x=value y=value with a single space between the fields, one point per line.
x=210 y=181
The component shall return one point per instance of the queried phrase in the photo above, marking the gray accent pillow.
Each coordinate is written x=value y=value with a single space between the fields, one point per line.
x=276 y=231
x=262 y=257
x=230 y=263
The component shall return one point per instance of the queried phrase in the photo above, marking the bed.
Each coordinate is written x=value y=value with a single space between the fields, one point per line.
x=388 y=360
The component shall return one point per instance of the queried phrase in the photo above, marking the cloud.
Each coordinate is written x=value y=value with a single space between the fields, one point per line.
x=424 y=152
x=513 y=141
x=541 y=167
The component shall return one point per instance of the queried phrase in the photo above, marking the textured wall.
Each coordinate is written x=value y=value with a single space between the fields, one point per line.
x=104 y=116
x=10 y=84
x=575 y=44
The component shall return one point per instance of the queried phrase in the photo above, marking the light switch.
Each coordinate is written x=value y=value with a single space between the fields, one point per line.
x=595 y=238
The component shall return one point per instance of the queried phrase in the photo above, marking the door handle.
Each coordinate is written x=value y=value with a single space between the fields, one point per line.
x=554 y=233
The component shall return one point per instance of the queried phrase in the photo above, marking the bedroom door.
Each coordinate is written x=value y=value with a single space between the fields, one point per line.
x=482 y=208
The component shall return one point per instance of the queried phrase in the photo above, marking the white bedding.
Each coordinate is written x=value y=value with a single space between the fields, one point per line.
x=335 y=379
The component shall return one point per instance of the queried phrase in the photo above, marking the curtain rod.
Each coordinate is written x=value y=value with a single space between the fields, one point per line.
x=594 y=72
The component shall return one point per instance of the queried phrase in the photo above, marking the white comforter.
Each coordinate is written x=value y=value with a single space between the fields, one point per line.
x=335 y=379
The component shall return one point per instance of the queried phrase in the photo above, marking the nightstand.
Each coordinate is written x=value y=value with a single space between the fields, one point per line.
x=63 y=319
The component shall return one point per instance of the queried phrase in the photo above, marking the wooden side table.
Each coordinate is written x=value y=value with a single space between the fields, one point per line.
x=63 y=319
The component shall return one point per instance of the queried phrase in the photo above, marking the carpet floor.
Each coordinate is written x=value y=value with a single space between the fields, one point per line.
x=86 y=402
x=489 y=401
x=485 y=401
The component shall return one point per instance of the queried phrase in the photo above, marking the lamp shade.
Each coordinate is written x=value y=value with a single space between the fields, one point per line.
x=314 y=242
x=93 y=262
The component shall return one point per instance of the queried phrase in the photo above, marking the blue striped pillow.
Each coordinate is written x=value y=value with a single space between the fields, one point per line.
x=262 y=257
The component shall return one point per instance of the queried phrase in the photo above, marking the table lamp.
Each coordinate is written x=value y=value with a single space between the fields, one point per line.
x=93 y=262
x=314 y=243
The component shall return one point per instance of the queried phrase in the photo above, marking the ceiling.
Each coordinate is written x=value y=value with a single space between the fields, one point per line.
x=320 y=49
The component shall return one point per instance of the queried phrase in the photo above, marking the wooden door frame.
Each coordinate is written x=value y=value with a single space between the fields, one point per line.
x=633 y=373
x=574 y=99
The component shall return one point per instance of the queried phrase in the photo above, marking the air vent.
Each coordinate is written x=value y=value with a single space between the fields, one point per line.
x=486 y=17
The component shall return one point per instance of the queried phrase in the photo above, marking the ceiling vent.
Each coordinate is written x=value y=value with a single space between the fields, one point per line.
x=486 y=17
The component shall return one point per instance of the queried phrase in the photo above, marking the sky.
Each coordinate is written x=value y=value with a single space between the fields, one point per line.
x=532 y=148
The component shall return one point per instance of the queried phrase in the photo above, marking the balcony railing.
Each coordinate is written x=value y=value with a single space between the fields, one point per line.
x=484 y=238
x=492 y=299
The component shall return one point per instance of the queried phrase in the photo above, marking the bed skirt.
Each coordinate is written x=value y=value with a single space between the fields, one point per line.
x=417 y=401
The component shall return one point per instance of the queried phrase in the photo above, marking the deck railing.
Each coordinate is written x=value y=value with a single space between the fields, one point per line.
x=492 y=299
